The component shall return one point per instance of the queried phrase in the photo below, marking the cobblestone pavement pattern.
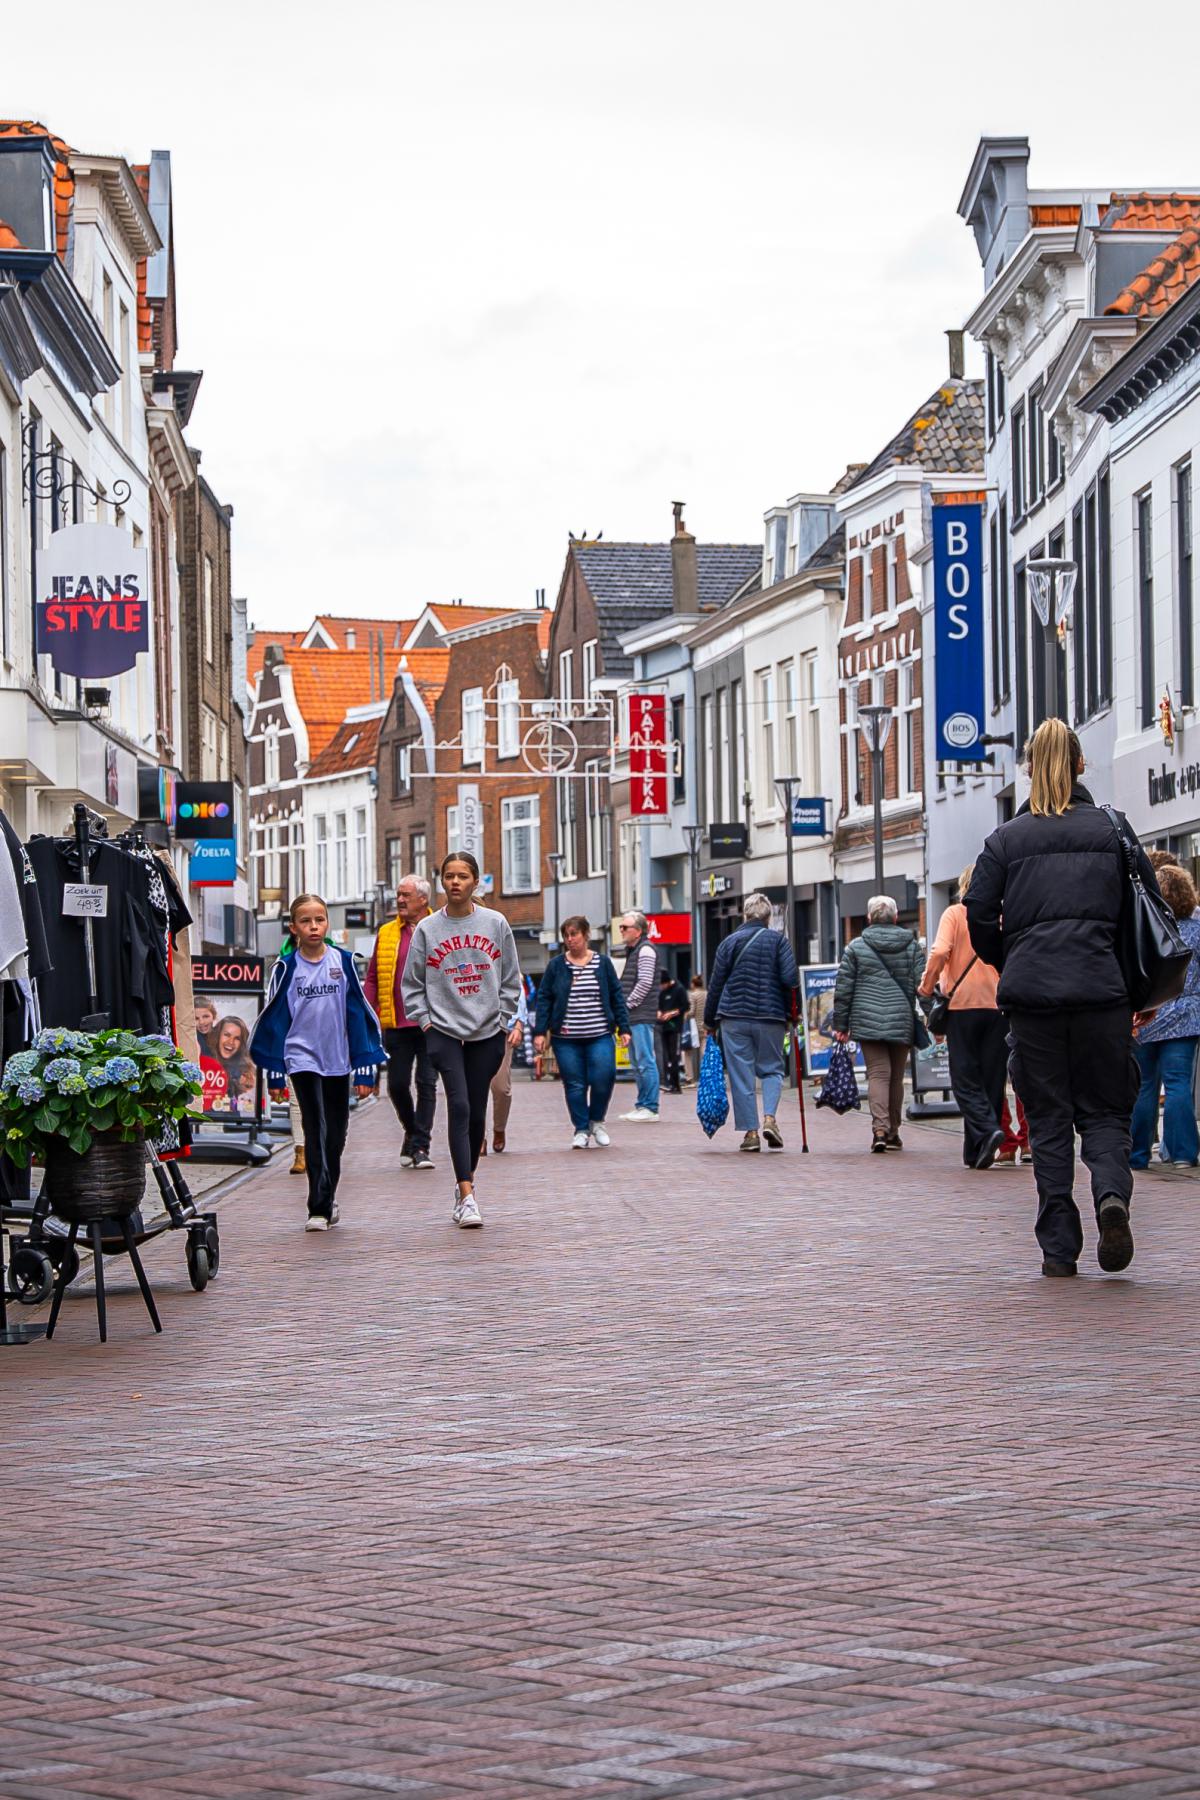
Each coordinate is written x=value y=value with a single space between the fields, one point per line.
x=692 y=1474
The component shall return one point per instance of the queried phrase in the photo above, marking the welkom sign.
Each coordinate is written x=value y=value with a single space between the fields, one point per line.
x=93 y=601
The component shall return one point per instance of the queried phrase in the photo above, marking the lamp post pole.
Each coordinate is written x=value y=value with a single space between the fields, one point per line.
x=555 y=859
x=875 y=723
x=693 y=834
x=1051 y=582
x=785 y=785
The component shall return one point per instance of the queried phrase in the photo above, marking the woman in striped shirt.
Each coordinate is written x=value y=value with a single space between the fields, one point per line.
x=580 y=1005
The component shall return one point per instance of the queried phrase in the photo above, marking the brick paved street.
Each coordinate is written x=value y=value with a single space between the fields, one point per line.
x=691 y=1474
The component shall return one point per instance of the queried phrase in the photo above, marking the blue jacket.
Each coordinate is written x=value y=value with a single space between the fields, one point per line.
x=554 y=991
x=268 y=1039
x=761 y=985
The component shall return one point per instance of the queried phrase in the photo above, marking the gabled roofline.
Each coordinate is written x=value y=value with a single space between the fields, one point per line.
x=119 y=186
x=1157 y=351
x=1043 y=242
x=1085 y=332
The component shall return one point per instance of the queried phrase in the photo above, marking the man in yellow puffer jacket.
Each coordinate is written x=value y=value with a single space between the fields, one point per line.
x=403 y=1041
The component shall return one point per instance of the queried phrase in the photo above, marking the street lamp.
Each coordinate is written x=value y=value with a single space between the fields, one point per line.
x=694 y=835
x=1051 y=583
x=556 y=859
x=875 y=723
x=784 y=784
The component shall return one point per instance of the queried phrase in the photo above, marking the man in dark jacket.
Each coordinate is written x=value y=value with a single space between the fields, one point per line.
x=1044 y=907
x=750 y=997
x=672 y=1011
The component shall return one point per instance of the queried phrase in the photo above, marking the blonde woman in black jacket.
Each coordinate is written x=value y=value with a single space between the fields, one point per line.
x=1044 y=907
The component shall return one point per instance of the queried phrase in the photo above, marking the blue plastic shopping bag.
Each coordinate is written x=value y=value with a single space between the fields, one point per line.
x=712 y=1101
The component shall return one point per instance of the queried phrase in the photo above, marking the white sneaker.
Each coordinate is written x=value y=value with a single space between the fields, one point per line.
x=406 y=1161
x=466 y=1212
x=316 y=1222
x=639 y=1115
x=580 y=1141
x=600 y=1135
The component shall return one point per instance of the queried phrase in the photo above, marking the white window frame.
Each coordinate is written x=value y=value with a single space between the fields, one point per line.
x=209 y=624
x=208 y=744
x=566 y=674
x=341 y=855
x=810 y=700
x=565 y=811
x=453 y=830
x=589 y=655
x=706 y=753
x=909 y=721
x=890 y=574
x=419 y=857
x=472 y=725
x=520 y=817
x=395 y=862
x=789 y=689
x=765 y=701
x=737 y=723
x=508 y=718
x=596 y=847
x=362 y=870
x=271 y=755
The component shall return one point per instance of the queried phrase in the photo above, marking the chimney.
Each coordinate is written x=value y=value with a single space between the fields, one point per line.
x=957 y=363
x=685 y=569
x=382 y=664
x=273 y=655
x=351 y=637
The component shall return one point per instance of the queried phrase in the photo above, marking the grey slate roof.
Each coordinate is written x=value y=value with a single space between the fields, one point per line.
x=631 y=585
x=945 y=436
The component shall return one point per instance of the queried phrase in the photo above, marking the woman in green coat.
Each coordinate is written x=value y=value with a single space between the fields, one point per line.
x=874 y=1003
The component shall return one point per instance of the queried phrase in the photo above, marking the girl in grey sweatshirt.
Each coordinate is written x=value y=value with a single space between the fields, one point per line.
x=462 y=986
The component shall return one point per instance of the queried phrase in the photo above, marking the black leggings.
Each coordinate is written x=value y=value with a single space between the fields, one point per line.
x=466 y=1070
x=324 y=1102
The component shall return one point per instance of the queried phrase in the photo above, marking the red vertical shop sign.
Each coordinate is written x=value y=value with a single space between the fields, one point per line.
x=647 y=754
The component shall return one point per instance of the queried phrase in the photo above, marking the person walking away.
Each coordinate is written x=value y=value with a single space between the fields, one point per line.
x=874 y=1002
x=697 y=994
x=501 y=1088
x=750 y=999
x=315 y=1031
x=672 y=1012
x=580 y=1004
x=1044 y=908
x=408 y=1055
x=461 y=985
x=976 y=1031
x=639 y=980
x=1166 y=1047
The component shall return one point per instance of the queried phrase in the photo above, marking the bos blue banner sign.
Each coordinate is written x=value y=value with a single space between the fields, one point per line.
x=808 y=817
x=958 y=631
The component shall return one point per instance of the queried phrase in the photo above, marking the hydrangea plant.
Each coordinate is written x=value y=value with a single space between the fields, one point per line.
x=72 y=1084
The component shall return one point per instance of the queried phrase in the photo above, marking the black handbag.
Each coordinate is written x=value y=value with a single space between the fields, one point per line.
x=939 y=1004
x=1150 y=948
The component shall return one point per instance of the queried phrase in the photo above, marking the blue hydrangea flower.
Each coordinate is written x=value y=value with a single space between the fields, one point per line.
x=72 y=1084
x=30 y=1090
x=121 y=1068
x=23 y=1063
x=191 y=1072
x=53 y=1038
x=95 y=1078
x=60 y=1067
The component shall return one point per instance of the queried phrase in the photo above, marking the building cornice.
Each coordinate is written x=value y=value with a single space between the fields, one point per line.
x=1027 y=298
x=1159 y=351
x=116 y=182
x=1092 y=346
x=170 y=457
x=58 y=314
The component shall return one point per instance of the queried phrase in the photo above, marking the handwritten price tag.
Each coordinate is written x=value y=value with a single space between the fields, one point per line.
x=81 y=901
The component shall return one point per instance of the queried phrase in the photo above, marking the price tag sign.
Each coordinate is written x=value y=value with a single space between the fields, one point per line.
x=82 y=901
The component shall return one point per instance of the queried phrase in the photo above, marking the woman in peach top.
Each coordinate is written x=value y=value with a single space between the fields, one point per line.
x=976 y=1031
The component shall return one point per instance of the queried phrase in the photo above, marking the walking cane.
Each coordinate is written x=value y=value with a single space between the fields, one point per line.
x=796 y=1034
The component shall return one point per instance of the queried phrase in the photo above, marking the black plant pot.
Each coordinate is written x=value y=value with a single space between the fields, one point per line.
x=106 y=1182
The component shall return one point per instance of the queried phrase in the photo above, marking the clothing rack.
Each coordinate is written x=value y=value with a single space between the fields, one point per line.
x=86 y=822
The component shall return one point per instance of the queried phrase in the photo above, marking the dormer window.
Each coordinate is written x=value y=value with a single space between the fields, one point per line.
x=27 y=191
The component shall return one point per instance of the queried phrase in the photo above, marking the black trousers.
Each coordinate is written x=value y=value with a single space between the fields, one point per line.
x=672 y=1036
x=324 y=1102
x=406 y=1047
x=466 y=1071
x=977 y=1039
x=1075 y=1071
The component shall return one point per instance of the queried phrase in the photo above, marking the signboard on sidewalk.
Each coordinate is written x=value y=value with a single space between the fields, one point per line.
x=647 y=754
x=958 y=631
x=93 y=601
x=817 y=982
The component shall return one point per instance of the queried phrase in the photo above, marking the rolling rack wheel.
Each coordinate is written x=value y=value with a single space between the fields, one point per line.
x=212 y=1243
x=201 y=1266
x=62 y=1255
x=30 y=1275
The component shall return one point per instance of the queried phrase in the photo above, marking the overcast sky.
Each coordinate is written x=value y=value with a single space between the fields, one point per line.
x=464 y=277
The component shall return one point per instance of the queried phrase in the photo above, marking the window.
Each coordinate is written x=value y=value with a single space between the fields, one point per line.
x=596 y=846
x=1145 y=590
x=472 y=725
x=401 y=770
x=1005 y=645
x=910 y=730
x=707 y=772
x=566 y=674
x=1085 y=582
x=678 y=769
x=321 y=857
x=453 y=831
x=589 y=668
x=994 y=603
x=520 y=844
x=296 y=859
x=341 y=856
x=1036 y=435
x=271 y=756
x=1187 y=627
x=508 y=718
x=418 y=855
x=126 y=356
x=810 y=688
x=5 y=621
x=723 y=753
x=1054 y=461
x=361 y=872
x=209 y=623
x=995 y=394
x=737 y=713
x=106 y=321
x=1021 y=657
x=764 y=682
x=1019 y=472
x=566 y=829
x=395 y=862
x=791 y=726
x=208 y=745
x=1104 y=567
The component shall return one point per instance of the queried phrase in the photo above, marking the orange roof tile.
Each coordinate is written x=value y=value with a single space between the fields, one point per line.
x=1053 y=215
x=338 y=624
x=64 y=181
x=1172 y=272
x=429 y=669
x=545 y=621
x=354 y=745
x=328 y=682
x=456 y=618
x=1151 y=212
x=145 y=318
x=255 y=651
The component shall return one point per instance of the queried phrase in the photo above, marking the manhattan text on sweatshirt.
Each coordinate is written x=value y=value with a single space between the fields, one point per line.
x=462 y=975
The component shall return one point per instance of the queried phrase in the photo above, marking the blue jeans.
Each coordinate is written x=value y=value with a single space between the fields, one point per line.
x=586 y=1064
x=1170 y=1065
x=753 y=1047
x=646 y=1064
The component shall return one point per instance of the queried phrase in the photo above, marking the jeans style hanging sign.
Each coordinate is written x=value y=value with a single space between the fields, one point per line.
x=93 y=601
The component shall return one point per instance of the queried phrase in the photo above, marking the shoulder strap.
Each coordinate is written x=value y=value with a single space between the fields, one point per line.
x=744 y=945
x=883 y=965
x=1128 y=854
x=963 y=976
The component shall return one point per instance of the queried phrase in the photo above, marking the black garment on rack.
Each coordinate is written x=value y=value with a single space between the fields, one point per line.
x=132 y=977
x=16 y=1019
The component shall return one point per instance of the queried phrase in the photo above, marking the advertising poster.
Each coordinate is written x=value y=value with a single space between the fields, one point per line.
x=228 y=998
x=817 y=982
